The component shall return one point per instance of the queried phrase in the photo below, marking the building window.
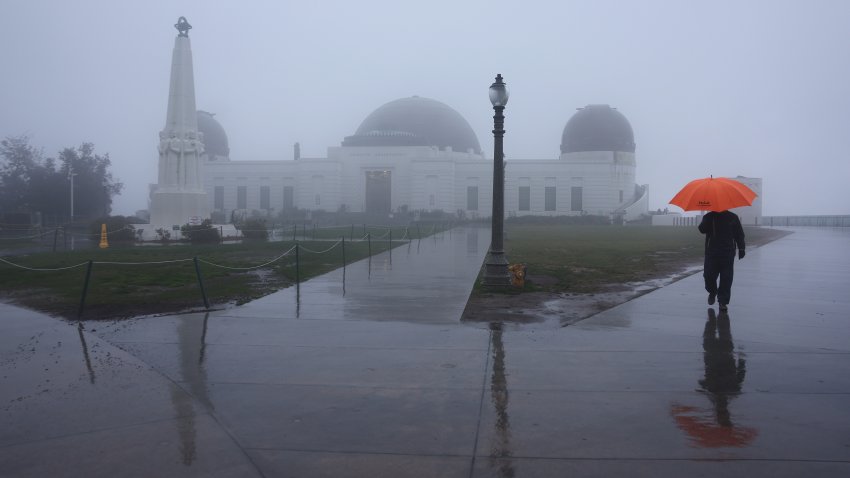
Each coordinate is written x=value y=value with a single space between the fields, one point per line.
x=525 y=198
x=575 y=198
x=241 y=197
x=550 y=198
x=288 y=197
x=472 y=198
x=318 y=188
x=621 y=195
x=218 y=198
x=264 y=198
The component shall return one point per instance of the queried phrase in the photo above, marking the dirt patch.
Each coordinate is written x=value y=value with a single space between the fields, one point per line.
x=553 y=308
x=562 y=308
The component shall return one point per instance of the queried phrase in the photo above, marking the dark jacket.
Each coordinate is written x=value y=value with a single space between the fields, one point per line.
x=723 y=232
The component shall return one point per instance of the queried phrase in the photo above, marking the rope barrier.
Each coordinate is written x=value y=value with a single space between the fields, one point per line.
x=367 y=236
x=42 y=268
x=27 y=237
x=141 y=263
x=322 y=252
x=248 y=268
x=90 y=234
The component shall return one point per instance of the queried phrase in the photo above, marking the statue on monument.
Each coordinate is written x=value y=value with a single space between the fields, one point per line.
x=183 y=27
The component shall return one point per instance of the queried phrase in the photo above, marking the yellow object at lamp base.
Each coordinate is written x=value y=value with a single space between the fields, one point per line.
x=104 y=243
x=518 y=272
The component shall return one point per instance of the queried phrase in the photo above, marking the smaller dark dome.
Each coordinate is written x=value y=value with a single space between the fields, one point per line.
x=598 y=128
x=215 y=139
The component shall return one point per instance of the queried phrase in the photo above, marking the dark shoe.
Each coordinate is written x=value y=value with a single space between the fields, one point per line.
x=711 y=298
x=724 y=308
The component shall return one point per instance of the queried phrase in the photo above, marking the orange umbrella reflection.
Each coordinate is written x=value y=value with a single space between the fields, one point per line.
x=703 y=428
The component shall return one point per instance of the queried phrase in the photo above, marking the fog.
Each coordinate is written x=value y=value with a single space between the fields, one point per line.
x=755 y=88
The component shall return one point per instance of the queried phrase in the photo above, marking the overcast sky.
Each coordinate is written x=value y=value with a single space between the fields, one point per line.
x=752 y=88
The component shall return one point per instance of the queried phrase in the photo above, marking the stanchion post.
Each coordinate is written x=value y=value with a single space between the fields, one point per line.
x=85 y=289
x=418 y=232
x=390 y=245
x=201 y=282
x=343 y=253
x=369 y=240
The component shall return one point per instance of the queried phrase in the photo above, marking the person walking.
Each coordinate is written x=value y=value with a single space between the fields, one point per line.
x=723 y=235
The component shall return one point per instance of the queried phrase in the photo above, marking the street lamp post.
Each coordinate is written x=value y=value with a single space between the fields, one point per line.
x=496 y=273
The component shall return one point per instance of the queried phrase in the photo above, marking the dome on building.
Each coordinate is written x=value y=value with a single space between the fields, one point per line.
x=415 y=121
x=215 y=139
x=598 y=128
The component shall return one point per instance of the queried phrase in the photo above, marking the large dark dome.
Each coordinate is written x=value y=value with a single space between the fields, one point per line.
x=598 y=128
x=215 y=139
x=415 y=121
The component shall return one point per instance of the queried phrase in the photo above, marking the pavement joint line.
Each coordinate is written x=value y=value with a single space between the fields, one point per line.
x=336 y=347
x=669 y=391
x=695 y=459
x=354 y=452
x=334 y=385
x=106 y=429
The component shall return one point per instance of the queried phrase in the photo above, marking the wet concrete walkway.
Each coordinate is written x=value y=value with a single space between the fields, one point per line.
x=384 y=380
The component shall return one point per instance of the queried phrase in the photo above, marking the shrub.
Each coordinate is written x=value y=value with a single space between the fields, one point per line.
x=163 y=235
x=255 y=229
x=203 y=233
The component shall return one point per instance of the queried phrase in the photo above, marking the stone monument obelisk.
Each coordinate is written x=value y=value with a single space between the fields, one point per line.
x=179 y=197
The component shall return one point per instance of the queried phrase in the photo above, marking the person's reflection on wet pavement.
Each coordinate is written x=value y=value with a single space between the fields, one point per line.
x=724 y=372
x=724 y=376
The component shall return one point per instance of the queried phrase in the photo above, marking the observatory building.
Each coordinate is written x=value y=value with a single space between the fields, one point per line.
x=410 y=154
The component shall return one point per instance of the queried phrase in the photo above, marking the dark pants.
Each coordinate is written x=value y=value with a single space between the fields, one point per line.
x=719 y=265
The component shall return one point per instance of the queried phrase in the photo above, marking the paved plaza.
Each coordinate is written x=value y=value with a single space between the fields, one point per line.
x=369 y=372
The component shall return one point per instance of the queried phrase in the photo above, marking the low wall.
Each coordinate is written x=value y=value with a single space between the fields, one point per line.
x=675 y=220
x=814 y=221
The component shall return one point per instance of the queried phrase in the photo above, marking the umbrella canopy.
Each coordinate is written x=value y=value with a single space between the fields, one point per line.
x=713 y=194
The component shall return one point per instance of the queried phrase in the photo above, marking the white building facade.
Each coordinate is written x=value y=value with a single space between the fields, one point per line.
x=417 y=154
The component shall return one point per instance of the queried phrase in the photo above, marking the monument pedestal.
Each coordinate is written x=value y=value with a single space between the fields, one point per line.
x=176 y=208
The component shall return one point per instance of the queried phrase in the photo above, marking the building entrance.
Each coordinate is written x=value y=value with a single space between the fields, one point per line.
x=378 y=192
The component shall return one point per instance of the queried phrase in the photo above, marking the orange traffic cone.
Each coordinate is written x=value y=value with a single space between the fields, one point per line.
x=104 y=243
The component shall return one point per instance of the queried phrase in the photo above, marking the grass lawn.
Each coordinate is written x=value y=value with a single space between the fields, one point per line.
x=121 y=290
x=588 y=259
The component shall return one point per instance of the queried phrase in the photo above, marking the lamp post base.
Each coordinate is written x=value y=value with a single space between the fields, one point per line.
x=496 y=274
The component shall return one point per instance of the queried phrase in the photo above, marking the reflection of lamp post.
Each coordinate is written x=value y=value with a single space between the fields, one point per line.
x=496 y=264
x=71 y=178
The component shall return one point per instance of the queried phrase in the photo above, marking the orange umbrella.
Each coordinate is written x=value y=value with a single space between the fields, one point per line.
x=713 y=194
